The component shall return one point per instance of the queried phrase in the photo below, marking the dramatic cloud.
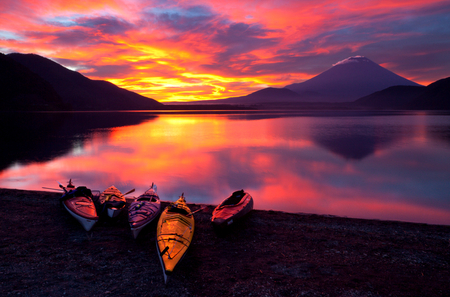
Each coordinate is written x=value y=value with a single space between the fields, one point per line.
x=105 y=25
x=182 y=20
x=207 y=49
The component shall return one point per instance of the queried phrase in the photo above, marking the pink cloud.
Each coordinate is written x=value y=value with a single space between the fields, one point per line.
x=229 y=47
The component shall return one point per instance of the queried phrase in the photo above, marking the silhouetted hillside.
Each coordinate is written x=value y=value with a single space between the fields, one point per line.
x=21 y=89
x=436 y=96
x=260 y=96
x=397 y=97
x=81 y=92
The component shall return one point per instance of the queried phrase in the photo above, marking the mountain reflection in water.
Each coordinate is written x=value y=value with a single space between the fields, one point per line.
x=368 y=165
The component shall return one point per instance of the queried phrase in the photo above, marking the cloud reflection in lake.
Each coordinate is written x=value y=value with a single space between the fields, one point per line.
x=394 y=167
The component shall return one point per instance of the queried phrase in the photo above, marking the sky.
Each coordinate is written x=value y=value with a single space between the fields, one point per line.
x=212 y=49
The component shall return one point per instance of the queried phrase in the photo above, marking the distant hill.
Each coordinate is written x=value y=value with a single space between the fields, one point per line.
x=261 y=96
x=349 y=80
x=435 y=96
x=21 y=89
x=80 y=92
x=396 y=97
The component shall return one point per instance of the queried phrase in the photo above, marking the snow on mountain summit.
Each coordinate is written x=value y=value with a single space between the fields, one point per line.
x=353 y=59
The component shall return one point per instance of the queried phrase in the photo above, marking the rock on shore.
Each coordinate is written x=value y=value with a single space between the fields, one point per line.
x=46 y=252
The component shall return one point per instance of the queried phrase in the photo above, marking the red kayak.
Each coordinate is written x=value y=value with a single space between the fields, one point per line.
x=232 y=209
x=79 y=203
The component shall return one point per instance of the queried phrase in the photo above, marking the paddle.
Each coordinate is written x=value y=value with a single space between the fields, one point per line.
x=129 y=192
x=191 y=213
x=52 y=189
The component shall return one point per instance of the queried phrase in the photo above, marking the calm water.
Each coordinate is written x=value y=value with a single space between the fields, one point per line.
x=362 y=165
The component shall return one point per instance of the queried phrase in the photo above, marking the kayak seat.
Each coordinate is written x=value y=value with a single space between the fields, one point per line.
x=140 y=212
x=115 y=204
x=151 y=198
x=178 y=210
x=81 y=191
x=235 y=198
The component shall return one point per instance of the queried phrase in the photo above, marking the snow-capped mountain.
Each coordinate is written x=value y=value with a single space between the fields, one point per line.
x=348 y=80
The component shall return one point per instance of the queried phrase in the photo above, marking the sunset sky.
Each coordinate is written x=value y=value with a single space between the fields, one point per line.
x=200 y=49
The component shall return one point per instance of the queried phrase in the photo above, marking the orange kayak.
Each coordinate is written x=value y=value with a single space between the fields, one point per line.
x=174 y=234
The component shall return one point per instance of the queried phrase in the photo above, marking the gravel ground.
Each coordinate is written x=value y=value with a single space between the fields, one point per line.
x=45 y=252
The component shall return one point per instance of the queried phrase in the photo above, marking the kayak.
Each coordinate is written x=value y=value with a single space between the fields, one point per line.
x=143 y=210
x=232 y=209
x=174 y=234
x=113 y=201
x=79 y=203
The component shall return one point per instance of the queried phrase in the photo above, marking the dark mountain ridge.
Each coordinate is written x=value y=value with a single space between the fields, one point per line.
x=435 y=96
x=396 y=97
x=80 y=92
x=22 y=89
x=266 y=95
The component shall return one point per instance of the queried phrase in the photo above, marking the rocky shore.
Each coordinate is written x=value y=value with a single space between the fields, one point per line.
x=45 y=252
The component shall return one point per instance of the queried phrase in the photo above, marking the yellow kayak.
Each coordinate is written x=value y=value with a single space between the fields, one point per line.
x=174 y=234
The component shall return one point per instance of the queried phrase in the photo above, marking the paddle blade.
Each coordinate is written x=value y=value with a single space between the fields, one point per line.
x=200 y=209
x=62 y=187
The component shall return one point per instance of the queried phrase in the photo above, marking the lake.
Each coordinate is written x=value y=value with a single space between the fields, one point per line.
x=373 y=165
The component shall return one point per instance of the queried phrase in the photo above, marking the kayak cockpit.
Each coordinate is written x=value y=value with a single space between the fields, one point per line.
x=234 y=199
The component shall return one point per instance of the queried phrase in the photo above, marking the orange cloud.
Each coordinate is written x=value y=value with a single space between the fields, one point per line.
x=194 y=50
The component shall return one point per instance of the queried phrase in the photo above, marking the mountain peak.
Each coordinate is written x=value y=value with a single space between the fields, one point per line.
x=353 y=59
x=348 y=80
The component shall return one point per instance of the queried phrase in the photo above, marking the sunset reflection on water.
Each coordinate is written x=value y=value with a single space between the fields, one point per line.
x=380 y=167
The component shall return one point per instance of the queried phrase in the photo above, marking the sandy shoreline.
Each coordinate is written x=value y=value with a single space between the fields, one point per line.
x=45 y=252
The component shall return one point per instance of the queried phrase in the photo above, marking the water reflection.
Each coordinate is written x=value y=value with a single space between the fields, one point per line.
x=356 y=165
x=359 y=138
x=40 y=137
